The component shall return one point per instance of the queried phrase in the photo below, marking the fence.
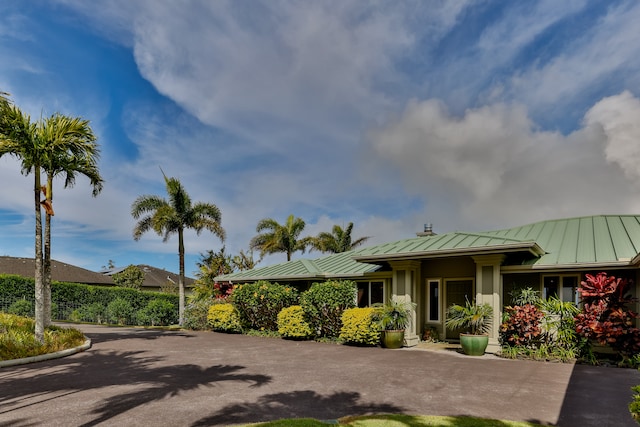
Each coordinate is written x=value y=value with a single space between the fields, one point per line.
x=85 y=313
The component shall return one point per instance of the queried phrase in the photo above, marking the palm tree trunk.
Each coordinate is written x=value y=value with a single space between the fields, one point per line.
x=181 y=277
x=47 y=256
x=47 y=271
x=39 y=288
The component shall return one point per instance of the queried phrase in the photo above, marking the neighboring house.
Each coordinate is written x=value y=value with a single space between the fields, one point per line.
x=60 y=271
x=155 y=279
x=435 y=271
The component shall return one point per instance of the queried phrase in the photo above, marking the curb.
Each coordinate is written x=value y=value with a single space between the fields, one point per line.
x=48 y=356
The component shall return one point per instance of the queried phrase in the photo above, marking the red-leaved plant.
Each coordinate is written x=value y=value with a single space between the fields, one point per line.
x=606 y=317
x=522 y=326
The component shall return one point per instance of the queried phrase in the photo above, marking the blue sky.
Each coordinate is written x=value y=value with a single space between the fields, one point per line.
x=471 y=115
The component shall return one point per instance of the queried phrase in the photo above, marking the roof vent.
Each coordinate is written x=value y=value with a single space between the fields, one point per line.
x=428 y=231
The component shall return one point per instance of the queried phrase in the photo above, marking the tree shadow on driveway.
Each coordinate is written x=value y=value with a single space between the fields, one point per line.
x=34 y=387
x=296 y=404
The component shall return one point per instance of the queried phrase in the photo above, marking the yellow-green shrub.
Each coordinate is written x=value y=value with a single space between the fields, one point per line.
x=359 y=326
x=291 y=323
x=224 y=318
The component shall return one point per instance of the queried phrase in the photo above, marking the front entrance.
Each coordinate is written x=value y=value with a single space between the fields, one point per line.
x=458 y=291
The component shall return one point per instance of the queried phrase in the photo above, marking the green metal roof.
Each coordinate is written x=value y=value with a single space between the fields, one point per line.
x=336 y=265
x=590 y=241
x=449 y=244
x=571 y=242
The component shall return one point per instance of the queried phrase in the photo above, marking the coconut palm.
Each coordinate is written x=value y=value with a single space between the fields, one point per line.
x=20 y=138
x=173 y=216
x=274 y=237
x=71 y=150
x=338 y=240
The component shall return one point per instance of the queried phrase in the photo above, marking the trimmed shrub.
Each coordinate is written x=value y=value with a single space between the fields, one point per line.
x=224 y=318
x=359 y=326
x=195 y=315
x=324 y=303
x=291 y=323
x=259 y=303
x=120 y=311
x=22 y=307
x=158 y=312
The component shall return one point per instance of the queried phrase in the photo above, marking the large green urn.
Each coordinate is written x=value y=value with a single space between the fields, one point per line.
x=474 y=345
x=392 y=339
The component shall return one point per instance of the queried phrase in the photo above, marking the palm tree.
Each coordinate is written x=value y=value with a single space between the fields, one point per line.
x=20 y=138
x=71 y=150
x=338 y=240
x=280 y=238
x=174 y=216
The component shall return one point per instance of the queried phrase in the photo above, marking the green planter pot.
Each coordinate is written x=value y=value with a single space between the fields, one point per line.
x=474 y=345
x=392 y=339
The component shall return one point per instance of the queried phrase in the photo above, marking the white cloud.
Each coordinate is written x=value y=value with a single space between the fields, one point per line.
x=492 y=167
x=619 y=119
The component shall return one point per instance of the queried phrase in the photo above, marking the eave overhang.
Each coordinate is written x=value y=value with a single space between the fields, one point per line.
x=532 y=247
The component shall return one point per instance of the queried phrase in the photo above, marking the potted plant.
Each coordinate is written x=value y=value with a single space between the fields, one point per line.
x=393 y=318
x=476 y=320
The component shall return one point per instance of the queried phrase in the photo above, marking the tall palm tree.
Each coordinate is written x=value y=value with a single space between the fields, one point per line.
x=20 y=138
x=167 y=217
x=274 y=237
x=70 y=150
x=338 y=240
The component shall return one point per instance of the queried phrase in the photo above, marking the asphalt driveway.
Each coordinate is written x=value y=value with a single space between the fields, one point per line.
x=164 y=378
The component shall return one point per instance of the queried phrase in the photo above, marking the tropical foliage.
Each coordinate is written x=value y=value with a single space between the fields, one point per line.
x=339 y=240
x=56 y=145
x=174 y=216
x=394 y=315
x=274 y=237
x=476 y=319
x=606 y=316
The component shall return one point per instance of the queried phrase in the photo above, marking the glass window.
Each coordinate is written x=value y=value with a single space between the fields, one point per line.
x=550 y=288
x=370 y=293
x=434 y=300
x=563 y=287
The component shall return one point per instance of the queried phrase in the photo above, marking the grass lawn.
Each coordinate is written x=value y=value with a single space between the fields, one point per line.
x=398 y=421
x=17 y=338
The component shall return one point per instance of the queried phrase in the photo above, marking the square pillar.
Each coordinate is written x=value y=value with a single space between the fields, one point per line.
x=404 y=285
x=488 y=285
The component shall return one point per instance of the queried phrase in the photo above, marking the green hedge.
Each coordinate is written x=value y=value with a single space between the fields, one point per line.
x=79 y=302
x=324 y=303
x=259 y=303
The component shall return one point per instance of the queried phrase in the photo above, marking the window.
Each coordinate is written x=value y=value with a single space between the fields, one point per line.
x=433 y=300
x=563 y=287
x=370 y=293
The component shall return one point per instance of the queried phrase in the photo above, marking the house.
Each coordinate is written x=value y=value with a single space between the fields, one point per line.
x=435 y=271
x=60 y=271
x=155 y=279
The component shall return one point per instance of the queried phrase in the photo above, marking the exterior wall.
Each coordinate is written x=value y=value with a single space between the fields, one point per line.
x=440 y=269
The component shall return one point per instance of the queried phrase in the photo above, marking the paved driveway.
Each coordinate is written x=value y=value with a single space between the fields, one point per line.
x=160 y=378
